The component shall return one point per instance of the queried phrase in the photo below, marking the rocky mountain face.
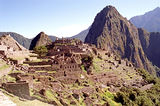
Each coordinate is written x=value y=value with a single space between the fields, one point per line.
x=115 y=33
x=25 y=42
x=150 y=42
x=149 y=21
x=7 y=40
x=39 y=40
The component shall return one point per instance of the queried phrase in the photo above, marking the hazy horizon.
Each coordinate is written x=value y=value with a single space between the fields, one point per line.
x=62 y=17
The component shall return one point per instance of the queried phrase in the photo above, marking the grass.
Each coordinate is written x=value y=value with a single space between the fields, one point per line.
x=41 y=71
x=97 y=59
x=50 y=72
x=8 y=78
x=83 y=69
x=49 y=94
x=42 y=66
x=25 y=64
x=96 y=67
x=17 y=71
x=109 y=97
x=4 y=67
x=96 y=64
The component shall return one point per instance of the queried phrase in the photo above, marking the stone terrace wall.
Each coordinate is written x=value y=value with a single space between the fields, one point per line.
x=38 y=63
x=71 y=66
x=20 y=89
x=41 y=68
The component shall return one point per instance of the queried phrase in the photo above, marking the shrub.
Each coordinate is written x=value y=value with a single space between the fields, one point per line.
x=41 y=50
x=148 y=77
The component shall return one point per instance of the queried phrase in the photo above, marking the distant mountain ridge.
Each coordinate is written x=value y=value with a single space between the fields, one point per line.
x=25 y=42
x=82 y=35
x=149 y=21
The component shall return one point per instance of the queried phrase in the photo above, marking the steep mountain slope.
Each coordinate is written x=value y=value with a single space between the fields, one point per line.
x=39 y=40
x=82 y=35
x=149 y=21
x=25 y=42
x=150 y=42
x=115 y=33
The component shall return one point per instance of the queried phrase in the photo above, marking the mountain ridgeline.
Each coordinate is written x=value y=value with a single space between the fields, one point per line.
x=149 y=21
x=115 y=33
x=111 y=31
x=82 y=35
x=150 y=42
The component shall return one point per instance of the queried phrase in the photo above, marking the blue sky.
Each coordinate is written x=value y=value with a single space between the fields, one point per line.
x=62 y=17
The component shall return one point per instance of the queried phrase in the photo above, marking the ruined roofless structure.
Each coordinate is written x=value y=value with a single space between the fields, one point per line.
x=64 y=46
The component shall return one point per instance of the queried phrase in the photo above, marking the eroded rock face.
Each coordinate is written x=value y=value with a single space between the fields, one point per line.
x=39 y=40
x=150 y=43
x=115 y=33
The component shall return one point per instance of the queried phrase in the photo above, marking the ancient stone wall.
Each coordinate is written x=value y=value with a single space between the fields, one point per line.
x=38 y=63
x=20 y=89
x=41 y=68
x=71 y=66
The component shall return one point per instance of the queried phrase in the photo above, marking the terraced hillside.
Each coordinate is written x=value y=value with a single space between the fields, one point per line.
x=4 y=68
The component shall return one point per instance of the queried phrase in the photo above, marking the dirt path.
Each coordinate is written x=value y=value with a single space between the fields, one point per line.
x=4 y=100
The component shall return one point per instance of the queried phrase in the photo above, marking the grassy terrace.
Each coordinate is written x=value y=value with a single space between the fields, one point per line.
x=41 y=66
x=8 y=78
x=97 y=65
x=4 y=66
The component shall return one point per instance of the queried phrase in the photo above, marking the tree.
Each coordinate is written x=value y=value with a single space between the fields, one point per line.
x=40 y=50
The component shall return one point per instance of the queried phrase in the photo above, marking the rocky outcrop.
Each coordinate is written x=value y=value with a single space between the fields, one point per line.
x=115 y=33
x=7 y=40
x=25 y=42
x=39 y=40
x=150 y=42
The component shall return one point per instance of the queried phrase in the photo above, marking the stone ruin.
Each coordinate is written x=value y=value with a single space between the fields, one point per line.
x=20 y=89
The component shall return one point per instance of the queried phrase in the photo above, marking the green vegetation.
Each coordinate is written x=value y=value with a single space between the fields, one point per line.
x=87 y=62
x=17 y=71
x=136 y=97
x=148 y=77
x=95 y=64
x=41 y=50
x=8 y=78
x=108 y=97
x=4 y=67
x=83 y=68
x=49 y=94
